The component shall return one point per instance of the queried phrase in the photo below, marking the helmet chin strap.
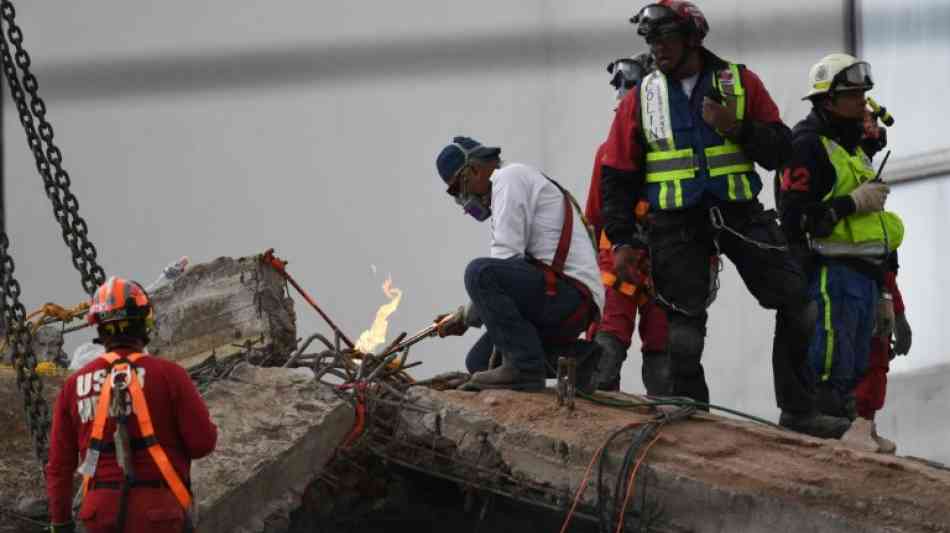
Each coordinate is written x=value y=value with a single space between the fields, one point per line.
x=690 y=46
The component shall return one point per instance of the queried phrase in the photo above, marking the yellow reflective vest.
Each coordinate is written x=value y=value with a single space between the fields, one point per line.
x=861 y=234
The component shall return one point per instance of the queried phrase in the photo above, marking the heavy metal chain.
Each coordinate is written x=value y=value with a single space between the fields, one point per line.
x=49 y=159
x=49 y=163
x=20 y=341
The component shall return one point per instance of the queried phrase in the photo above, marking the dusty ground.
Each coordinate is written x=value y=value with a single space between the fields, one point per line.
x=20 y=473
x=821 y=474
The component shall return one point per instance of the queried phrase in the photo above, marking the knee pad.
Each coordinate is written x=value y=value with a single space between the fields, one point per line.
x=686 y=340
x=685 y=348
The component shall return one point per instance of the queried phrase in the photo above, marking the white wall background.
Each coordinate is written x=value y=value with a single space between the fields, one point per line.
x=908 y=45
x=909 y=51
x=225 y=128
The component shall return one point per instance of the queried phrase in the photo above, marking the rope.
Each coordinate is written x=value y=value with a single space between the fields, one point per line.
x=677 y=402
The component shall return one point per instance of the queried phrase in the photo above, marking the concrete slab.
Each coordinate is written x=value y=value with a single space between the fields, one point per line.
x=277 y=429
x=707 y=474
x=216 y=307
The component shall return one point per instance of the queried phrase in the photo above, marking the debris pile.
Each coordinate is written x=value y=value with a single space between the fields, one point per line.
x=318 y=436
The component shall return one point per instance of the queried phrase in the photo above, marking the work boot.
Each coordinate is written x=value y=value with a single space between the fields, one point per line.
x=815 y=424
x=851 y=407
x=613 y=354
x=506 y=376
x=831 y=402
x=657 y=374
x=588 y=356
x=884 y=445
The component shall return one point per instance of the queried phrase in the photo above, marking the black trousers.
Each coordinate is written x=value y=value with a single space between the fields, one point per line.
x=681 y=243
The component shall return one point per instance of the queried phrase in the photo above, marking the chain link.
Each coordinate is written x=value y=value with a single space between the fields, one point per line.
x=49 y=159
x=56 y=181
x=20 y=341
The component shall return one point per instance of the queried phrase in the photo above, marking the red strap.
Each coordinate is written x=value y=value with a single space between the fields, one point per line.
x=563 y=247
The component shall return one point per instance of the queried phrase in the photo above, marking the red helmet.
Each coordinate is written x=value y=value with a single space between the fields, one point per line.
x=669 y=16
x=118 y=299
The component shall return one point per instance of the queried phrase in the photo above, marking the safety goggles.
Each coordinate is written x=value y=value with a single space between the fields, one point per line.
x=626 y=72
x=457 y=186
x=654 y=20
x=857 y=76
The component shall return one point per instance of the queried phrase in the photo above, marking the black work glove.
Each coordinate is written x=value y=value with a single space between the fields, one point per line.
x=452 y=323
x=902 y=335
x=66 y=527
x=632 y=265
x=885 y=317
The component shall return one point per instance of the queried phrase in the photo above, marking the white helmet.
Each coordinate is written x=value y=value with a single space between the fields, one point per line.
x=840 y=72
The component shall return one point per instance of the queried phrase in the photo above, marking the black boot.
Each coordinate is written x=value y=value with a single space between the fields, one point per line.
x=657 y=373
x=815 y=424
x=831 y=402
x=613 y=354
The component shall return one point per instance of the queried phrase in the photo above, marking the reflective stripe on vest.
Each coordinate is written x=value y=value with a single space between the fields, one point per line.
x=120 y=365
x=667 y=166
x=860 y=234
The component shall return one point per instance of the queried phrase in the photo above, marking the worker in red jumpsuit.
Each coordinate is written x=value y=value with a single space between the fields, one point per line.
x=614 y=332
x=167 y=427
x=872 y=389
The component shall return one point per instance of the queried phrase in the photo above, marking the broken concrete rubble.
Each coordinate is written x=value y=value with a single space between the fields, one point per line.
x=277 y=428
x=219 y=307
x=47 y=346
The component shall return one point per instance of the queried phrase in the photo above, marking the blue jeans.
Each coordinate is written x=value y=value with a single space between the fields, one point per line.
x=519 y=317
x=847 y=305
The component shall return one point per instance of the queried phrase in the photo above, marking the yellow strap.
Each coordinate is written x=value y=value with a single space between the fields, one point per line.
x=829 y=326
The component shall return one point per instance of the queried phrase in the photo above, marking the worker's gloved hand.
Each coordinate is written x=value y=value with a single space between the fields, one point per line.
x=452 y=323
x=632 y=265
x=66 y=527
x=870 y=197
x=902 y=335
x=721 y=117
x=885 y=317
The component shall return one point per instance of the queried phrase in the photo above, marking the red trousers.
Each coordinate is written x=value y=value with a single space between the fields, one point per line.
x=620 y=314
x=150 y=510
x=870 y=392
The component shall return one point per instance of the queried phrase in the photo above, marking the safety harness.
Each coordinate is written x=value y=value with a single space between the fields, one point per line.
x=123 y=380
x=585 y=312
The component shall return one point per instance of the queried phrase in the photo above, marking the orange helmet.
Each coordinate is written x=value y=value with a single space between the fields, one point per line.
x=118 y=299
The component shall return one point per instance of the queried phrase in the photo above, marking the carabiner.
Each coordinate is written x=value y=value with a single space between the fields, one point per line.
x=716 y=219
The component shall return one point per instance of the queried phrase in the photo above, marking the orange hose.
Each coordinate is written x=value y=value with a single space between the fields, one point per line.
x=633 y=477
x=583 y=486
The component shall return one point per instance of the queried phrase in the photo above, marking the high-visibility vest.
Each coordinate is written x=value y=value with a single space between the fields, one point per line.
x=861 y=234
x=119 y=365
x=670 y=167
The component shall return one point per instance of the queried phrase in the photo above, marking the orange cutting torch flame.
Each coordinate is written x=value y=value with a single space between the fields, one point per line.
x=376 y=335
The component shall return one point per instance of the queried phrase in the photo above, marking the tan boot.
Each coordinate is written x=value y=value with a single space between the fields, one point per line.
x=506 y=376
x=884 y=445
